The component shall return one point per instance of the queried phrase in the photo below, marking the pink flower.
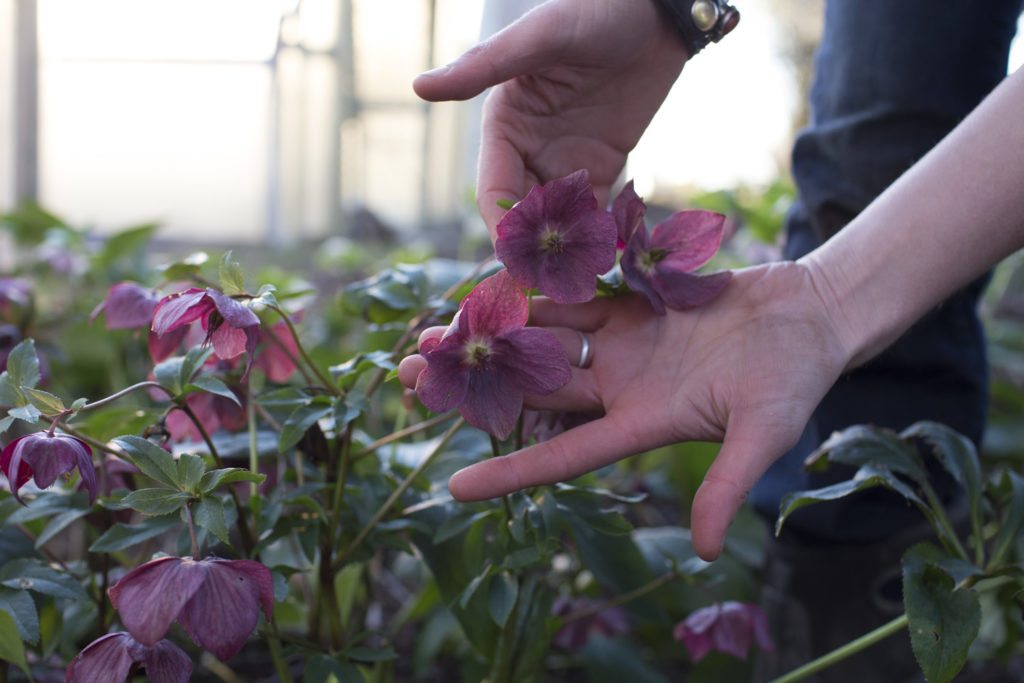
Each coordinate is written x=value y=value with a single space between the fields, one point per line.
x=279 y=350
x=214 y=412
x=217 y=601
x=660 y=264
x=488 y=359
x=116 y=657
x=558 y=240
x=230 y=326
x=574 y=634
x=44 y=457
x=729 y=627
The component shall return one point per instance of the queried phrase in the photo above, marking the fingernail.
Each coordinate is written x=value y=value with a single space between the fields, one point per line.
x=439 y=71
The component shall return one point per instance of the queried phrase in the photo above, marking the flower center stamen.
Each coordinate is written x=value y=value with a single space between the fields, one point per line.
x=551 y=241
x=647 y=260
x=477 y=353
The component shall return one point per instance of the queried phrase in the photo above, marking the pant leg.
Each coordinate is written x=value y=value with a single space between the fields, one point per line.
x=892 y=78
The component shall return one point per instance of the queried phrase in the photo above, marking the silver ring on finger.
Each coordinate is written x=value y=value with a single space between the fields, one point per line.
x=586 y=350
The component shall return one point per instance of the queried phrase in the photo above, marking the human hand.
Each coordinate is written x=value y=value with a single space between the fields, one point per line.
x=577 y=82
x=748 y=369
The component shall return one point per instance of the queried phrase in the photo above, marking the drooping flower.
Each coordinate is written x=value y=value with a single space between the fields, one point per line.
x=277 y=359
x=558 y=240
x=217 y=601
x=43 y=457
x=729 y=627
x=117 y=657
x=488 y=359
x=574 y=634
x=214 y=412
x=660 y=264
x=128 y=305
x=231 y=327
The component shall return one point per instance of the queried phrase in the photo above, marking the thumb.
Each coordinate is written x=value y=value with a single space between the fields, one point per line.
x=752 y=443
x=529 y=44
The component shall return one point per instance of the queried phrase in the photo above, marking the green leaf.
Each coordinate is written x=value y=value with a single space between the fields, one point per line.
x=301 y=419
x=943 y=620
x=156 y=502
x=10 y=395
x=12 y=649
x=125 y=244
x=368 y=654
x=58 y=523
x=459 y=522
x=505 y=204
x=212 y=385
x=23 y=365
x=5 y=423
x=867 y=477
x=19 y=605
x=502 y=596
x=153 y=461
x=194 y=360
x=228 y=475
x=319 y=668
x=191 y=469
x=123 y=536
x=35 y=575
x=349 y=371
x=958 y=455
x=1013 y=522
x=209 y=514
x=46 y=402
x=474 y=585
x=79 y=404
x=860 y=445
x=350 y=408
x=232 y=277
x=186 y=269
x=29 y=413
x=168 y=374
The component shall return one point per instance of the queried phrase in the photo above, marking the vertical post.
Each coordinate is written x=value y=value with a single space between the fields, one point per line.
x=426 y=208
x=26 y=101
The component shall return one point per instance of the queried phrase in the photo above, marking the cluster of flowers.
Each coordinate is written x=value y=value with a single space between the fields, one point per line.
x=558 y=240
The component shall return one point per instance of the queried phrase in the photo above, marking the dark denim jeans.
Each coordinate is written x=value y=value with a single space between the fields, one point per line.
x=892 y=78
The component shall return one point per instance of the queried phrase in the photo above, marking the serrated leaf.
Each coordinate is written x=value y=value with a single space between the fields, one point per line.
x=185 y=269
x=10 y=395
x=943 y=620
x=865 y=478
x=232 y=277
x=502 y=596
x=266 y=297
x=12 y=649
x=79 y=404
x=228 y=475
x=168 y=374
x=34 y=575
x=23 y=364
x=301 y=419
x=860 y=445
x=29 y=413
x=209 y=514
x=156 y=502
x=19 y=606
x=191 y=469
x=57 y=524
x=153 y=461
x=455 y=525
x=46 y=402
x=212 y=385
x=124 y=536
x=194 y=359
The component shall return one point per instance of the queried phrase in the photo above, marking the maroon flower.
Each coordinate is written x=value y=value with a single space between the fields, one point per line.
x=230 y=326
x=279 y=352
x=659 y=265
x=729 y=627
x=574 y=633
x=44 y=457
x=558 y=240
x=214 y=412
x=217 y=601
x=488 y=359
x=128 y=305
x=116 y=657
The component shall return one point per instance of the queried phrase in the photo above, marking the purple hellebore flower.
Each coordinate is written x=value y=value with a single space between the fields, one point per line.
x=44 y=457
x=231 y=327
x=558 y=240
x=729 y=627
x=116 y=657
x=488 y=359
x=279 y=352
x=573 y=635
x=217 y=601
x=128 y=305
x=659 y=265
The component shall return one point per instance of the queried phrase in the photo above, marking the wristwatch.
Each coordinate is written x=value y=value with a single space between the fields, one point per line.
x=701 y=21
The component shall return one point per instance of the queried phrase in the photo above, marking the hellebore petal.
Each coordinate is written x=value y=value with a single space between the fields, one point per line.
x=628 y=210
x=683 y=291
x=497 y=304
x=228 y=341
x=276 y=359
x=443 y=383
x=532 y=359
x=234 y=313
x=491 y=404
x=573 y=635
x=128 y=305
x=691 y=238
x=150 y=597
x=226 y=608
x=181 y=308
x=45 y=457
x=558 y=240
x=162 y=347
x=729 y=627
x=111 y=658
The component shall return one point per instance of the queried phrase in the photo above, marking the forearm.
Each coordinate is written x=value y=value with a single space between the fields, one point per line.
x=952 y=216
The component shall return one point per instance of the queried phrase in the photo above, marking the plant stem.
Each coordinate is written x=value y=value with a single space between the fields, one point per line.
x=339 y=484
x=940 y=516
x=396 y=494
x=124 y=392
x=291 y=356
x=619 y=600
x=327 y=383
x=192 y=532
x=274 y=645
x=841 y=653
x=402 y=433
x=254 y=453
